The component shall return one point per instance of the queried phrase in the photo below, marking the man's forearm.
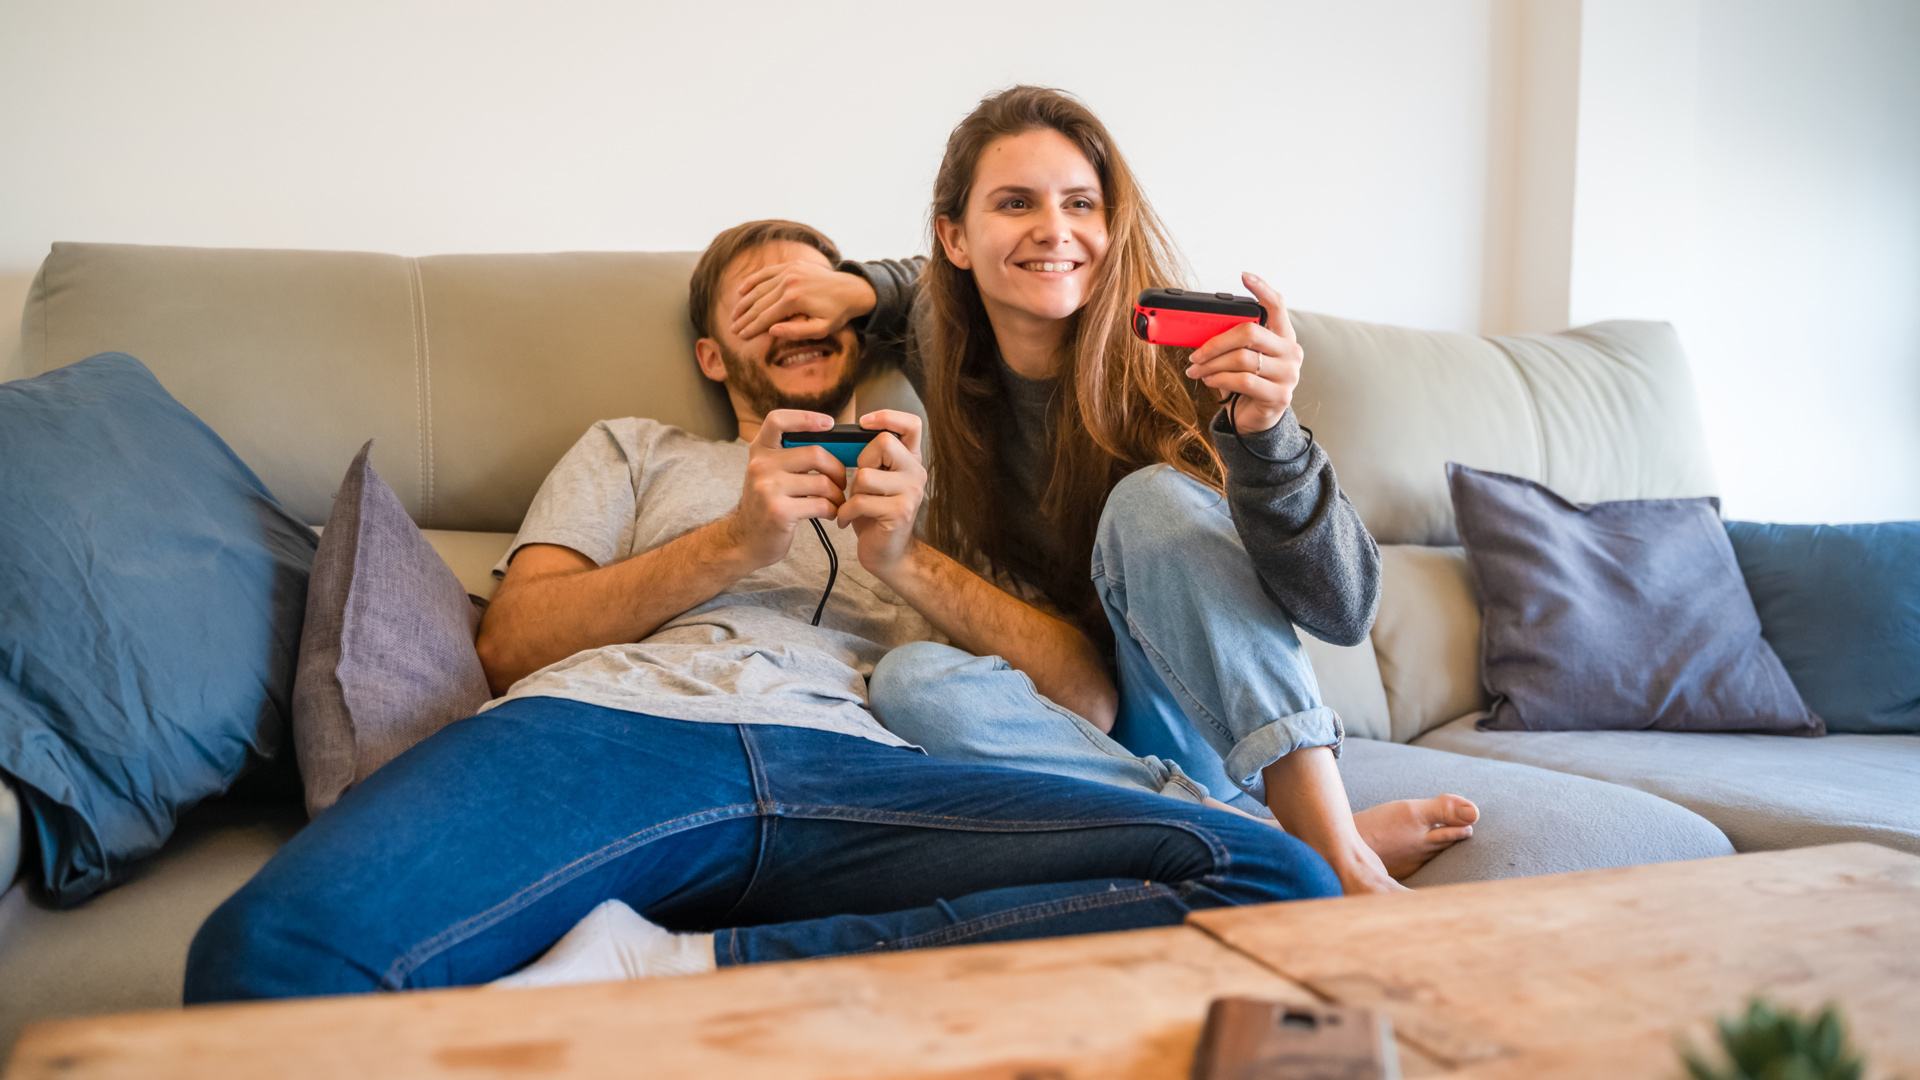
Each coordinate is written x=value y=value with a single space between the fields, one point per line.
x=978 y=617
x=542 y=619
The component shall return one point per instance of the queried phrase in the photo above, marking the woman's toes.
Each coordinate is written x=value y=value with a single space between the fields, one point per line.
x=1448 y=811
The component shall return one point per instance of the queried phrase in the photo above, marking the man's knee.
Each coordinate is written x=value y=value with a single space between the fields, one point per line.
x=250 y=948
x=1267 y=865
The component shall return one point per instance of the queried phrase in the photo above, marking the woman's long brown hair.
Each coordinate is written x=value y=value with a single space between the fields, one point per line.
x=1126 y=404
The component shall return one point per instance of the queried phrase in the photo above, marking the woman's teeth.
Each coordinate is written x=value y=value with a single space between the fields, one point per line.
x=1050 y=267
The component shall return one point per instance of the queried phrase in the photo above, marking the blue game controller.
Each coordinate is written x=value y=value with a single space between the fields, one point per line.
x=843 y=441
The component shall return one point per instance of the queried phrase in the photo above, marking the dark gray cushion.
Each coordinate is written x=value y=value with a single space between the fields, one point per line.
x=387 y=655
x=1620 y=615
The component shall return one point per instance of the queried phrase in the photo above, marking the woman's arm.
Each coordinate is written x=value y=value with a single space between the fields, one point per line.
x=800 y=300
x=1314 y=556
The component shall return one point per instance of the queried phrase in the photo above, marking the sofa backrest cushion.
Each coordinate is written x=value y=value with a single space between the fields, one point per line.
x=1427 y=638
x=475 y=373
x=1599 y=413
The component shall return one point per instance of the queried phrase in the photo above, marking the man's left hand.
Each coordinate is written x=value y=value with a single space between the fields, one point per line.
x=1261 y=363
x=884 y=491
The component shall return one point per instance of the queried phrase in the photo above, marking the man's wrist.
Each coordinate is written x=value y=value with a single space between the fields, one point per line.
x=728 y=549
x=910 y=574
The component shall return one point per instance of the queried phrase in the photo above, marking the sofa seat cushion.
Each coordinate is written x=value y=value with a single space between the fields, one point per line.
x=126 y=948
x=1532 y=821
x=1766 y=792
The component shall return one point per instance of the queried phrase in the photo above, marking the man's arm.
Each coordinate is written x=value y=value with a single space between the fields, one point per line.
x=555 y=603
x=979 y=617
x=883 y=500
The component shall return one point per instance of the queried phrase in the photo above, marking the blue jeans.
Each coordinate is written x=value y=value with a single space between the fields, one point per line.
x=1214 y=685
x=470 y=854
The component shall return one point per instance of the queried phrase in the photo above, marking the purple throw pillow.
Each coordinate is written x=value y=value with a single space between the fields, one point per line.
x=386 y=656
x=1626 y=615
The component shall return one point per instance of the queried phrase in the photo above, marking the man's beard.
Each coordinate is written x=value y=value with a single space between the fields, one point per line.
x=749 y=378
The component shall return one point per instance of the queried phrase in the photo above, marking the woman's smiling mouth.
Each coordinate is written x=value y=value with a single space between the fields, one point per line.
x=1055 y=267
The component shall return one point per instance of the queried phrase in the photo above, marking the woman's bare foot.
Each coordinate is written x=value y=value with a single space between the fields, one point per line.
x=1406 y=833
x=1362 y=873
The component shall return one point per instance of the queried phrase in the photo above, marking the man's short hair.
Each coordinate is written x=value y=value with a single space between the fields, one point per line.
x=728 y=245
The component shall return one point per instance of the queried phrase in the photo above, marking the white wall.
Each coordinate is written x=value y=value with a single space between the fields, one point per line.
x=1804 y=323
x=1339 y=150
x=1748 y=169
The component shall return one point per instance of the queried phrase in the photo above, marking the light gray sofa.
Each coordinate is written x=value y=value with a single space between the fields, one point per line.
x=476 y=372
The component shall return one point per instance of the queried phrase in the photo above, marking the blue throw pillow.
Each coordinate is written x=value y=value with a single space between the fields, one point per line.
x=1840 y=604
x=1617 y=615
x=151 y=596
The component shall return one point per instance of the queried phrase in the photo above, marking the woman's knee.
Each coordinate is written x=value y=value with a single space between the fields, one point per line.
x=912 y=688
x=1159 y=512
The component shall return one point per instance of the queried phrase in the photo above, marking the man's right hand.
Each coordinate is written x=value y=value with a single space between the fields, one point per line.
x=799 y=301
x=784 y=487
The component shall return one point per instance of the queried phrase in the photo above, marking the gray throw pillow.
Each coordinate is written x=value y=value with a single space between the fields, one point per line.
x=1624 y=615
x=386 y=657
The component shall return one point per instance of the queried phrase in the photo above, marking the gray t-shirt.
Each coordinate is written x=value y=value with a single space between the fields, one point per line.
x=750 y=654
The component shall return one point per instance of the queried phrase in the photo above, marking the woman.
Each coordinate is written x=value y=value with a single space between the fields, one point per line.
x=1061 y=442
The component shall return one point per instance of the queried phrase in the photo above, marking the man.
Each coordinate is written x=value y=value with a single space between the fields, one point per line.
x=678 y=736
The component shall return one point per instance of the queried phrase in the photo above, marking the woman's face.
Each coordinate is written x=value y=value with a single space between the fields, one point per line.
x=1035 y=229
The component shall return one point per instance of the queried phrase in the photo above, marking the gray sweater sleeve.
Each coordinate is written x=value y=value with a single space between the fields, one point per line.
x=1315 y=558
x=887 y=332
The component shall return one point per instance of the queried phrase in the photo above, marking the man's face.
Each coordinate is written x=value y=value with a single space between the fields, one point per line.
x=770 y=373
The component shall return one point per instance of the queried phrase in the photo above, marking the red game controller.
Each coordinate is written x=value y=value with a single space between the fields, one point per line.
x=1190 y=319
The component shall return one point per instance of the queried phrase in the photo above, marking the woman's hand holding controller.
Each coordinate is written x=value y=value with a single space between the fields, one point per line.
x=799 y=301
x=884 y=492
x=1260 y=363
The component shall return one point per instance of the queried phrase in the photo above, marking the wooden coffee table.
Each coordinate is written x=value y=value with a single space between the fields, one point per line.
x=1584 y=975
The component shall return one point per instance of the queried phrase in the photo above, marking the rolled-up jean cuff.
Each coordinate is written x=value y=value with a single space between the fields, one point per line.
x=1174 y=783
x=1258 y=749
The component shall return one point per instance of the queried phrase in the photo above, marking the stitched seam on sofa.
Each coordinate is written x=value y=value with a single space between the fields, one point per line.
x=1000 y=920
x=419 y=415
x=46 y=315
x=410 y=961
x=426 y=400
x=1533 y=408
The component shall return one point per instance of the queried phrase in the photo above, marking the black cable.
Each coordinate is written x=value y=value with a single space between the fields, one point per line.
x=1232 y=400
x=833 y=567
